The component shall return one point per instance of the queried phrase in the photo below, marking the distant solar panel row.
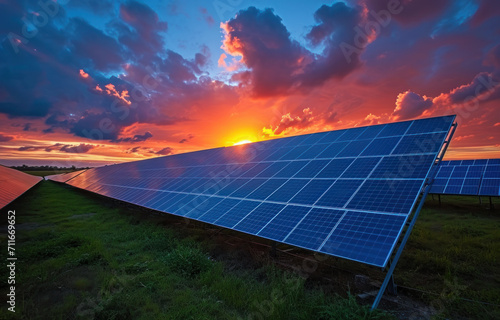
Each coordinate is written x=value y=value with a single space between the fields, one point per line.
x=64 y=177
x=14 y=183
x=346 y=193
x=468 y=177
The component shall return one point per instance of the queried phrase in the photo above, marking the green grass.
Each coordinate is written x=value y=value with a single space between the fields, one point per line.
x=81 y=256
x=454 y=252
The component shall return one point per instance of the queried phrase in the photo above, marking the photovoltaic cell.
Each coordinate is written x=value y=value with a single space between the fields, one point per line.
x=403 y=167
x=14 y=183
x=311 y=192
x=479 y=177
x=339 y=193
x=381 y=146
x=267 y=188
x=362 y=236
x=237 y=213
x=354 y=148
x=394 y=196
x=288 y=190
x=335 y=168
x=311 y=232
x=347 y=193
x=332 y=150
x=259 y=218
x=283 y=223
x=361 y=168
x=311 y=169
x=420 y=143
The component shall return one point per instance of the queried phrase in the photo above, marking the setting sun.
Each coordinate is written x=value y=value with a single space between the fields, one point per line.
x=242 y=142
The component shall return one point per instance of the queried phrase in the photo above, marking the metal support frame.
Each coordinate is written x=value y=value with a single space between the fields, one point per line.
x=491 y=204
x=439 y=198
x=394 y=261
x=392 y=288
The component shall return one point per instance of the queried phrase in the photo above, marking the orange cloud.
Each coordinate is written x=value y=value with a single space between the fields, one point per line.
x=460 y=138
x=231 y=44
x=289 y=122
x=221 y=62
x=84 y=74
x=123 y=96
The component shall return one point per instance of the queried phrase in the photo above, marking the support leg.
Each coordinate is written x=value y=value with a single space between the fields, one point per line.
x=491 y=204
x=392 y=289
x=273 y=252
x=439 y=198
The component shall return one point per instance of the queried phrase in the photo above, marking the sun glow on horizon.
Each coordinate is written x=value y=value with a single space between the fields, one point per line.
x=242 y=142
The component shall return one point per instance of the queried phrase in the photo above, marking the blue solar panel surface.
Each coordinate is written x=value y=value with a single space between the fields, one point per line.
x=468 y=177
x=347 y=193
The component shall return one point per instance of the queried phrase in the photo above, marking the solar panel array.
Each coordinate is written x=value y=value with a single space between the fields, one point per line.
x=14 y=183
x=64 y=177
x=346 y=193
x=468 y=177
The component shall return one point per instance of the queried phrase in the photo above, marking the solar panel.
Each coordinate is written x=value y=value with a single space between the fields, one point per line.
x=14 y=183
x=346 y=193
x=468 y=177
x=64 y=177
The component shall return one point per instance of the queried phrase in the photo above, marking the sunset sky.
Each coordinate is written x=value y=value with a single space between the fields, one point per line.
x=92 y=82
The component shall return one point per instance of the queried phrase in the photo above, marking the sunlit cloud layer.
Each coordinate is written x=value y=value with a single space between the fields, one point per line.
x=102 y=82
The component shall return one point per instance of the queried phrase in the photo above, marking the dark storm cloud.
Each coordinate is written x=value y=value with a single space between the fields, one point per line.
x=189 y=138
x=27 y=127
x=137 y=138
x=278 y=64
x=141 y=17
x=133 y=150
x=336 y=30
x=179 y=69
x=414 y=11
x=274 y=59
x=81 y=148
x=5 y=138
x=488 y=9
x=139 y=30
x=67 y=148
x=100 y=7
x=36 y=108
x=410 y=105
x=61 y=74
x=94 y=47
x=165 y=151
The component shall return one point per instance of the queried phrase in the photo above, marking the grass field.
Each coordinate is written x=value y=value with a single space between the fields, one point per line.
x=81 y=256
